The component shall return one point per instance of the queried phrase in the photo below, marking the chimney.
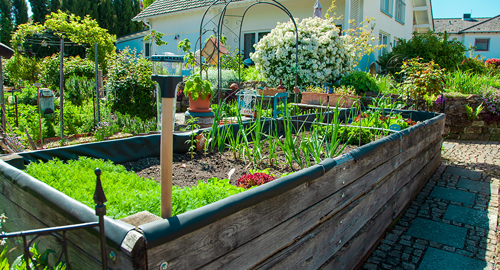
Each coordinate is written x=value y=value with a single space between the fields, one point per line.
x=467 y=17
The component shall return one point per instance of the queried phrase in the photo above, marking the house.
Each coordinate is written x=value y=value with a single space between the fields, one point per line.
x=181 y=19
x=483 y=33
x=134 y=41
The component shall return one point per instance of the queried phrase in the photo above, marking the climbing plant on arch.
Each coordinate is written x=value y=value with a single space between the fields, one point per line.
x=81 y=31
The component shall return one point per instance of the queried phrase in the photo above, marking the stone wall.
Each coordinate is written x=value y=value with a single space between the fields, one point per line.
x=459 y=127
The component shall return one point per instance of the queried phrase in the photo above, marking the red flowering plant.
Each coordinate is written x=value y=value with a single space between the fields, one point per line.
x=255 y=178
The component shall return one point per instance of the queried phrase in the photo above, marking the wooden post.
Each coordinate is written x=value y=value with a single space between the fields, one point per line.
x=166 y=156
x=167 y=86
x=2 y=95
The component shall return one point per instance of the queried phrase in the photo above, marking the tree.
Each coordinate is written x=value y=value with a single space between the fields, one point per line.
x=20 y=11
x=125 y=11
x=54 y=5
x=146 y=3
x=39 y=9
x=6 y=25
x=68 y=6
x=107 y=18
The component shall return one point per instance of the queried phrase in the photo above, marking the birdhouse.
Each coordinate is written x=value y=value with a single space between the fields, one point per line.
x=46 y=101
x=213 y=50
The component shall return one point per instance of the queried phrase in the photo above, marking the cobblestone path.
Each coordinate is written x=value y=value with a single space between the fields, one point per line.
x=452 y=223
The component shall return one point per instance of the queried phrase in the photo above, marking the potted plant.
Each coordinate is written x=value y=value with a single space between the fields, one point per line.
x=315 y=96
x=199 y=92
x=343 y=96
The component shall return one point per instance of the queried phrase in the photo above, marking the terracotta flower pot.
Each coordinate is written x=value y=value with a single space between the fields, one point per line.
x=200 y=105
x=344 y=101
x=314 y=98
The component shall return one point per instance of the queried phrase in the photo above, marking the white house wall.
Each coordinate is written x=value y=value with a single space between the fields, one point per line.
x=494 y=47
x=260 y=18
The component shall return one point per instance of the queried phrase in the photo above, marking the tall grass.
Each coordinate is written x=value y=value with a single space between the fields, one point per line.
x=466 y=82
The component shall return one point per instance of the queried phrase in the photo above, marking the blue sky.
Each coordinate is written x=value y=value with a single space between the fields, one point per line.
x=456 y=8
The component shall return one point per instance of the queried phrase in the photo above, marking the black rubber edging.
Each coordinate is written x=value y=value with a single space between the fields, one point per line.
x=71 y=209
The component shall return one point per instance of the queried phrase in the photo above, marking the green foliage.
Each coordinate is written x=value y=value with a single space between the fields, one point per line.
x=75 y=29
x=155 y=37
x=20 y=70
x=227 y=76
x=473 y=65
x=422 y=78
x=351 y=134
x=467 y=82
x=196 y=88
x=135 y=125
x=20 y=11
x=252 y=74
x=360 y=80
x=73 y=66
x=6 y=24
x=126 y=192
x=428 y=46
x=473 y=113
x=78 y=89
x=129 y=78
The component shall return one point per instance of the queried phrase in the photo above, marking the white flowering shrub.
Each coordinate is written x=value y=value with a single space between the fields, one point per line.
x=323 y=55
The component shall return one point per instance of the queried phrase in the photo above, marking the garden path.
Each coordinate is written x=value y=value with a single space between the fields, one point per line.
x=452 y=223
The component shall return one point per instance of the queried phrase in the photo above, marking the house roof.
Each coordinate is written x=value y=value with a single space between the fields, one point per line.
x=474 y=25
x=161 y=7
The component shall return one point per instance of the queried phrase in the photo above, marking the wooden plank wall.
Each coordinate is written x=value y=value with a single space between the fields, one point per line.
x=304 y=227
x=26 y=212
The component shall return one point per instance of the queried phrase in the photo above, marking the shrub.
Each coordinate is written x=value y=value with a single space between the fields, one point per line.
x=73 y=66
x=428 y=46
x=474 y=65
x=252 y=74
x=361 y=81
x=323 y=56
x=78 y=89
x=491 y=97
x=422 y=78
x=494 y=62
x=129 y=79
x=254 y=179
x=20 y=70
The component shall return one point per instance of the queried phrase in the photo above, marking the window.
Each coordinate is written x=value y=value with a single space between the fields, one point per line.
x=146 y=50
x=339 y=26
x=249 y=40
x=482 y=44
x=386 y=7
x=400 y=11
x=395 y=42
x=383 y=40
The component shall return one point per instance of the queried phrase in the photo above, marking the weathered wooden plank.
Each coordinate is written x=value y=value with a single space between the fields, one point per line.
x=322 y=242
x=19 y=219
x=350 y=255
x=289 y=231
x=86 y=241
x=213 y=241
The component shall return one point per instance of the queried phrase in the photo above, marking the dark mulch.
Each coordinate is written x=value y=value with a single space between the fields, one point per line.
x=188 y=171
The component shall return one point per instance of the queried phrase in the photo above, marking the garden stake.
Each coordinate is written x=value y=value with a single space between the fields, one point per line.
x=168 y=85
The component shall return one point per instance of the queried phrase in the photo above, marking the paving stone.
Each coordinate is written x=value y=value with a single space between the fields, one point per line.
x=463 y=172
x=453 y=195
x=418 y=252
x=405 y=257
x=370 y=266
x=442 y=260
x=471 y=216
x=442 y=233
x=475 y=185
x=384 y=247
x=392 y=237
x=464 y=253
x=405 y=243
x=408 y=266
x=393 y=260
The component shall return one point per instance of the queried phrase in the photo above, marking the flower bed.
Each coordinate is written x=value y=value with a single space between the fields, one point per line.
x=328 y=214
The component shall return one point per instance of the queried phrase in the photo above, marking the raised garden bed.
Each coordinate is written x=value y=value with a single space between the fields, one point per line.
x=329 y=214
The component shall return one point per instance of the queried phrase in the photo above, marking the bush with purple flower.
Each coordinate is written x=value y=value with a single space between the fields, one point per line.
x=16 y=142
x=491 y=97
x=102 y=130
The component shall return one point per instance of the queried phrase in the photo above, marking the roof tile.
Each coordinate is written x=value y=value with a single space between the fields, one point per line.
x=160 y=7
x=475 y=25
